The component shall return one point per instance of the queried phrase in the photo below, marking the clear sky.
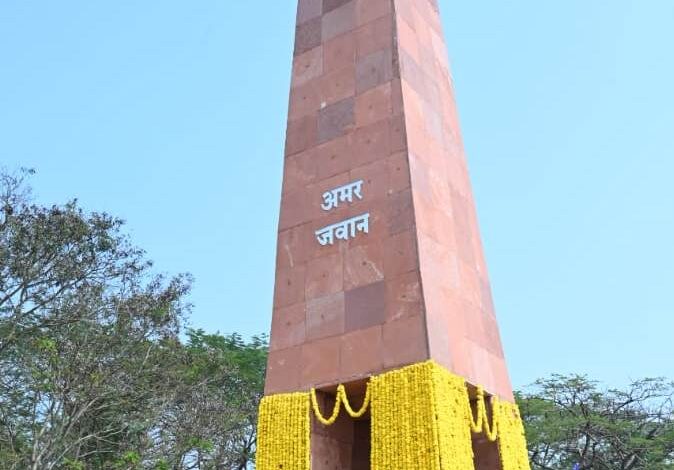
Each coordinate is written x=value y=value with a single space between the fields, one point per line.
x=171 y=114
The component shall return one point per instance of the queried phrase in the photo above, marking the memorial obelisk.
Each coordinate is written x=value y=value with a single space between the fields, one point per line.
x=385 y=350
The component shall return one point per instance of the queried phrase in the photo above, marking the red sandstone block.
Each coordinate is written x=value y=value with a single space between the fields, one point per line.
x=301 y=135
x=339 y=52
x=404 y=342
x=405 y=10
x=289 y=252
x=374 y=36
x=407 y=39
x=432 y=91
x=363 y=265
x=288 y=327
x=421 y=26
x=414 y=113
x=370 y=10
x=300 y=170
x=433 y=123
x=474 y=321
x=339 y=21
x=462 y=227
x=329 y=5
x=492 y=336
x=413 y=75
x=439 y=263
x=307 y=66
x=404 y=297
x=469 y=283
x=289 y=288
x=335 y=156
x=440 y=50
x=429 y=63
x=374 y=105
x=304 y=100
x=324 y=276
x=400 y=213
x=320 y=362
x=400 y=254
x=294 y=209
x=325 y=316
x=428 y=14
x=338 y=85
x=335 y=120
x=362 y=353
x=486 y=301
x=365 y=306
x=434 y=223
x=308 y=9
x=398 y=171
x=283 y=371
x=372 y=142
x=439 y=334
x=374 y=69
x=308 y=36
x=375 y=180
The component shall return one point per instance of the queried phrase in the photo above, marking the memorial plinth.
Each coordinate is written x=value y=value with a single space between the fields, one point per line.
x=379 y=259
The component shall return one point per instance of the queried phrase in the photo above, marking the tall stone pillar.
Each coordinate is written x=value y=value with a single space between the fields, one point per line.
x=379 y=259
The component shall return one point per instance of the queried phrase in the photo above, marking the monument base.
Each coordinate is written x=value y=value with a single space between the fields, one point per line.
x=417 y=417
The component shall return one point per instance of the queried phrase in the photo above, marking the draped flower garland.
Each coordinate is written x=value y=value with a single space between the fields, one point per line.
x=421 y=418
x=284 y=433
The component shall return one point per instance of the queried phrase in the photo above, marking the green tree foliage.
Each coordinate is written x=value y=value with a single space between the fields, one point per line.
x=93 y=372
x=569 y=420
x=211 y=421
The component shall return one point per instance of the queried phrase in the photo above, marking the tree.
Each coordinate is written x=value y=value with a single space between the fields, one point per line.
x=85 y=334
x=93 y=372
x=212 y=419
x=569 y=420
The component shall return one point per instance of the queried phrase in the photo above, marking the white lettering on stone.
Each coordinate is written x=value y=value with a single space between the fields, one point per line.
x=344 y=230
x=332 y=198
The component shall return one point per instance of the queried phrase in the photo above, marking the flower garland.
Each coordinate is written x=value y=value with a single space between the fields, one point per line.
x=284 y=433
x=421 y=418
x=403 y=412
x=340 y=398
x=453 y=419
x=512 y=443
x=481 y=424
x=363 y=409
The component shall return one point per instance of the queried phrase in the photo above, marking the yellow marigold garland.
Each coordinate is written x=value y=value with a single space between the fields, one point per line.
x=403 y=436
x=335 y=410
x=340 y=398
x=284 y=433
x=421 y=418
x=512 y=443
x=347 y=406
x=454 y=420
x=476 y=425
x=490 y=430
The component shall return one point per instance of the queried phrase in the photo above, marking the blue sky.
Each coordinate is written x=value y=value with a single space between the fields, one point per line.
x=171 y=114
